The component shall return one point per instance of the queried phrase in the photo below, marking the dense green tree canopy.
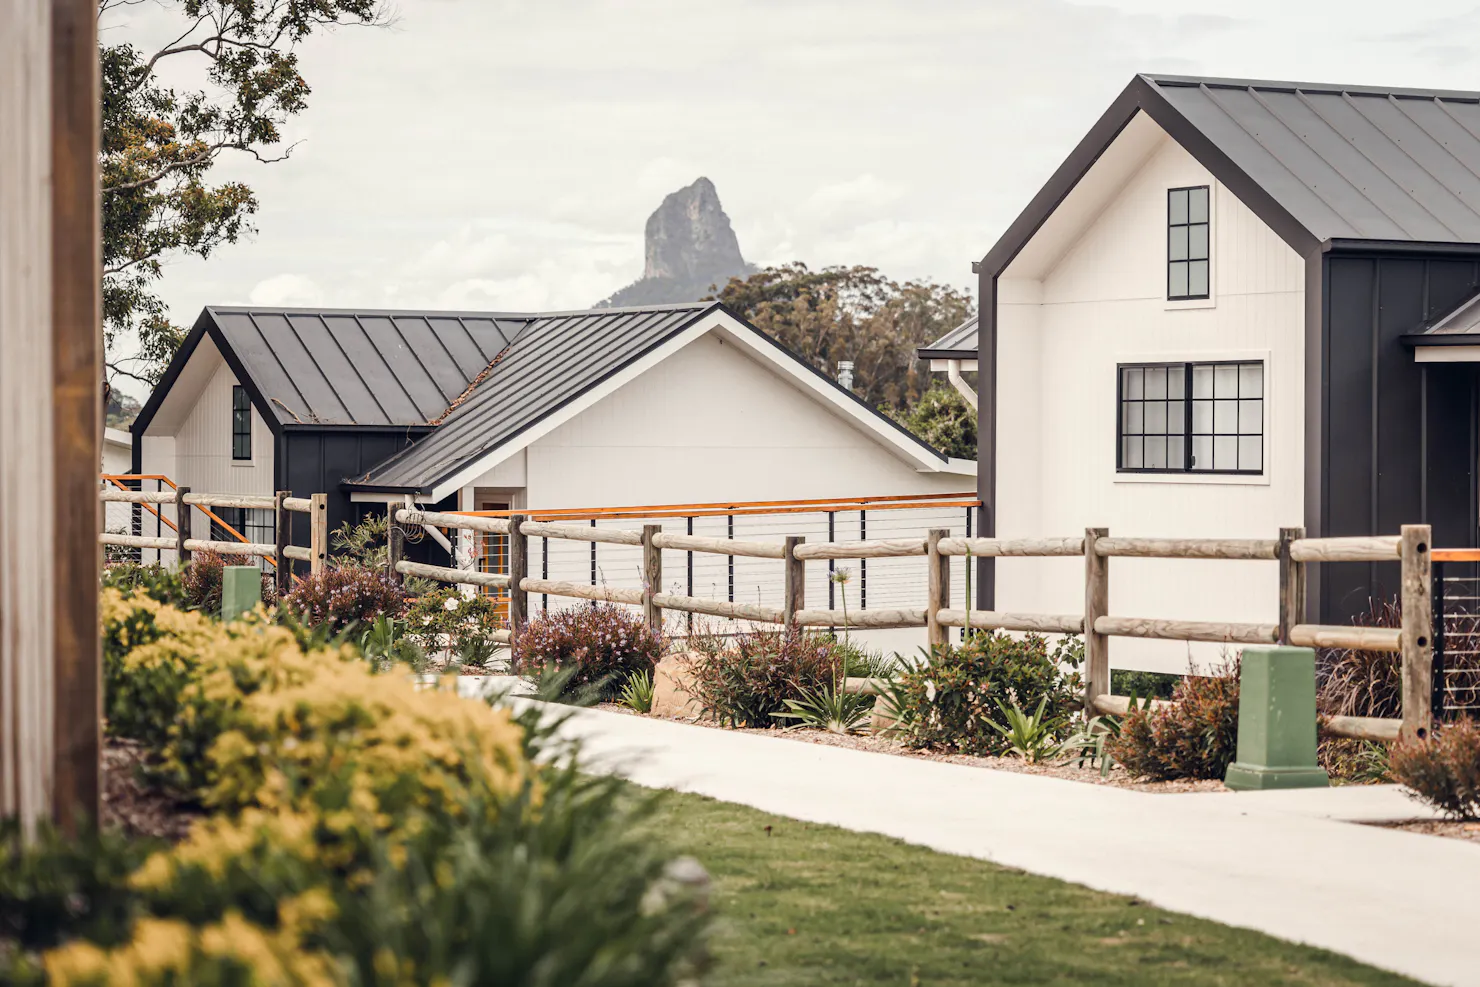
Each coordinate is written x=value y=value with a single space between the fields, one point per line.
x=159 y=145
x=852 y=313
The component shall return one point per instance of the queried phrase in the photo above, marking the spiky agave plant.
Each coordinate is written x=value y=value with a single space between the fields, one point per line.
x=832 y=709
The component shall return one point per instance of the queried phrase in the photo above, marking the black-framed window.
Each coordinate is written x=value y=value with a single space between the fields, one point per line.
x=1190 y=417
x=241 y=423
x=1189 y=249
x=257 y=525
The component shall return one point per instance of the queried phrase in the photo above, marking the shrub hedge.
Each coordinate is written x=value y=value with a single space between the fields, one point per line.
x=742 y=681
x=1195 y=736
x=363 y=831
x=1442 y=770
x=337 y=598
x=950 y=700
x=600 y=645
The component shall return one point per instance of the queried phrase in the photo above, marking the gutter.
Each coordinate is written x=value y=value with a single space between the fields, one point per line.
x=953 y=373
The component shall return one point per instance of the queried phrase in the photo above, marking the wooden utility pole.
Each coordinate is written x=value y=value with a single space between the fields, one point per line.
x=51 y=414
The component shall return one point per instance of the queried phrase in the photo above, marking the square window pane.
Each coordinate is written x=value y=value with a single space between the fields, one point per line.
x=1197 y=205
x=1156 y=418
x=1133 y=377
x=1176 y=452
x=1251 y=418
x=1202 y=382
x=1225 y=452
x=1250 y=453
x=1202 y=417
x=1197 y=241
x=1202 y=452
x=1156 y=454
x=1177 y=280
x=1225 y=380
x=1177 y=206
x=1251 y=380
x=1177 y=243
x=1177 y=381
x=1197 y=278
x=1131 y=454
x=1133 y=418
x=1176 y=416
x=1225 y=418
x=1156 y=382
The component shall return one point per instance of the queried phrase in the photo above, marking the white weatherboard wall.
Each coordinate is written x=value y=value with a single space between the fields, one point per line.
x=712 y=424
x=189 y=440
x=1064 y=325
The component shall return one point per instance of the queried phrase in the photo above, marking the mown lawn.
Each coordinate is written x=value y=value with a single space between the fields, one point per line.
x=802 y=904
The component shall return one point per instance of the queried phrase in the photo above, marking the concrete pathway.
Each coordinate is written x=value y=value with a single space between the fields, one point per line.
x=1290 y=864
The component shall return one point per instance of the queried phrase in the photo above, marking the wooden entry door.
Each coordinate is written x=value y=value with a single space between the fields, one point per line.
x=493 y=557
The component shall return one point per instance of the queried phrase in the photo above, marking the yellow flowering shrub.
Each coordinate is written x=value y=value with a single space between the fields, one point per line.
x=232 y=952
x=357 y=821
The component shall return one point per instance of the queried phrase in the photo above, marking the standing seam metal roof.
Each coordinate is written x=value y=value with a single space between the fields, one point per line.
x=552 y=361
x=351 y=367
x=1347 y=162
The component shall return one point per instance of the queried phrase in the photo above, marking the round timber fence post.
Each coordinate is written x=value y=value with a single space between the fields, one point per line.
x=1096 y=605
x=938 y=587
x=795 y=584
x=1418 y=631
x=652 y=579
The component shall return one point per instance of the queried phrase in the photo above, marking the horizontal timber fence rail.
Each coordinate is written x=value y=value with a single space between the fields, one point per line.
x=280 y=553
x=1291 y=551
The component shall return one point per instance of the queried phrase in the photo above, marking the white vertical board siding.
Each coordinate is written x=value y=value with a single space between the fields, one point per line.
x=709 y=424
x=203 y=444
x=1103 y=304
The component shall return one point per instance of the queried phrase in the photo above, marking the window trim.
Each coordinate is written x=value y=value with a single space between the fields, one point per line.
x=238 y=392
x=1185 y=473
x=1167 y=228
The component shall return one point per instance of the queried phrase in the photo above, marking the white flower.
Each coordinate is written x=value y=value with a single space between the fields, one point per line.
x=451 y=604
x=930 y=691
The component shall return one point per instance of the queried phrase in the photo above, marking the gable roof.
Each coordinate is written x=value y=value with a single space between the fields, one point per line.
x=958 y=344
x=565 y=363
x=1321 y=164
x=557 y=358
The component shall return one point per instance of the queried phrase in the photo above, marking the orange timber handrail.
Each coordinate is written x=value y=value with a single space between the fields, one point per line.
x=117 y=480
x=721 y=509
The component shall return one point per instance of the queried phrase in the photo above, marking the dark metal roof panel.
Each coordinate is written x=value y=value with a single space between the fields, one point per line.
x=553 y=361
x=959 y=339
x=328 y=357
x=1347 y=162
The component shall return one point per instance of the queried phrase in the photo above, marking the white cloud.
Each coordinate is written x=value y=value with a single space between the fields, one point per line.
x=443 y=170
x=288 y=290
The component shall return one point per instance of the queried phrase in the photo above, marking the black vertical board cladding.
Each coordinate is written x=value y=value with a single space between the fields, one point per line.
x=1450 y=462
x=1400 y=437
x=1348 y=510
x=317 y=460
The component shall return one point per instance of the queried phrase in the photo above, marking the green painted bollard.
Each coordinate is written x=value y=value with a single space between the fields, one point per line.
x=1277 y=721
x=241 y=590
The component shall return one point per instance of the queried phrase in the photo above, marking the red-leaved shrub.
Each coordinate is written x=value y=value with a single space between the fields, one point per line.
x=201 y=578
x=1443 y=770
x=740 y=682
x=601 y=644
x=1195 y=736
x=337 y=598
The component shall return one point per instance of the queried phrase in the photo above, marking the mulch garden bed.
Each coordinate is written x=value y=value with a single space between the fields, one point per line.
x=1117 y=777
x=131 y=805
x=1454 y=829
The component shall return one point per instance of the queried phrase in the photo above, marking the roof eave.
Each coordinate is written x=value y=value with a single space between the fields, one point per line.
x=1142 y=95
x=928 y=354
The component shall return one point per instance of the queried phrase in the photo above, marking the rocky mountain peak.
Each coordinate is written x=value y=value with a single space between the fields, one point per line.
x=689 y=245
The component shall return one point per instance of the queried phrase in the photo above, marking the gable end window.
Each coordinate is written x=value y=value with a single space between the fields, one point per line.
x=1188 y=245
x=1191 y=418
x=241 y=424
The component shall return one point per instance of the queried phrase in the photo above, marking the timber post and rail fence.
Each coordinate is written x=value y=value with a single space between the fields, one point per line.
x=1412 y=642
x=279 y=553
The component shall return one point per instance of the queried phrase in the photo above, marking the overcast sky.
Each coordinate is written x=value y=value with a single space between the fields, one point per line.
x=504 y=154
